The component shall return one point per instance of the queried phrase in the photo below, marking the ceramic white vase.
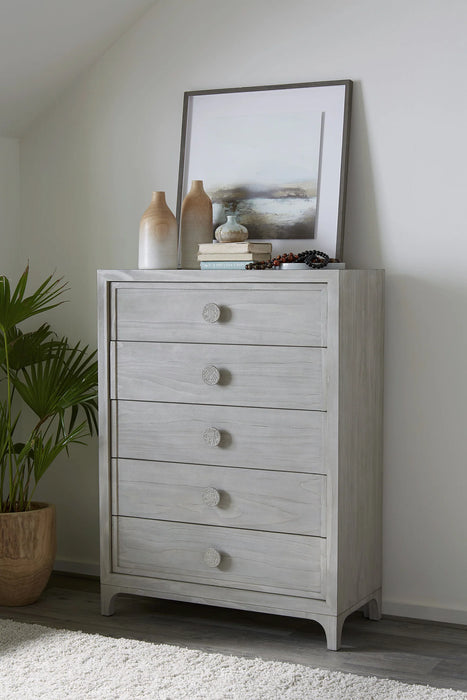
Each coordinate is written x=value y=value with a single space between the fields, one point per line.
x=231 y=231
x=157 y=236
x=195 y=224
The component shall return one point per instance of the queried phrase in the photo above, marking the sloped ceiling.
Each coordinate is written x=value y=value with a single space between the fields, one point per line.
x=46 y=44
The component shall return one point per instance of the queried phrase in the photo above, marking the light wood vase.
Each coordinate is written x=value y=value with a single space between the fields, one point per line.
x=195 y=224
x=27 y=553
x=157 y=236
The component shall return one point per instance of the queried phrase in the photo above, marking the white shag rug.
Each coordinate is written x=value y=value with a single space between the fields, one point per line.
x=40 y=662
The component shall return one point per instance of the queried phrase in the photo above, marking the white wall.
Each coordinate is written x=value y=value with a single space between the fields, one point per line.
x=9 y=205
x=89 y=166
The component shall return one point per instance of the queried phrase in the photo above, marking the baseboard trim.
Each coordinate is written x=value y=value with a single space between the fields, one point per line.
x=425 y=612
x=76 y=567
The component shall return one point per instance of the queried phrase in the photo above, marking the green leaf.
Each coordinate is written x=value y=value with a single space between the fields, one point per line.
x=26 y=348
x=5 y=433
x=46 y=451
x=66 y=378
x=16 y=307
x=56 y=380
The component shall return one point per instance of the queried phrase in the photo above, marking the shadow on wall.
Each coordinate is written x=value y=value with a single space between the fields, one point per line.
x=362 y=238
x=425 y=351
x=425 y=479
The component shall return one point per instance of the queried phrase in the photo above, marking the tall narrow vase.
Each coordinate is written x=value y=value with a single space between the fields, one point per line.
x=158 y=236
x=195 y=224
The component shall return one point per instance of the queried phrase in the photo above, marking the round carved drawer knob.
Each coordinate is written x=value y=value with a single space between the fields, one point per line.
x=211 y=313
x=211 y=496
x=212 y=437
x=212 y=557
x=211 y=375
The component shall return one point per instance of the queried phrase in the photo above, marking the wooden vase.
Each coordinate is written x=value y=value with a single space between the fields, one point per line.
x=157 y=236
x=27 y=553
x=195 y=224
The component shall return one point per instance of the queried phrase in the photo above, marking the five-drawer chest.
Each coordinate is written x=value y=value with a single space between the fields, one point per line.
x=241 y=439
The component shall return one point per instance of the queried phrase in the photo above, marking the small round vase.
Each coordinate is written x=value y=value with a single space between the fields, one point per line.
x=157 y=236
x=195 y=224
x=231 y=231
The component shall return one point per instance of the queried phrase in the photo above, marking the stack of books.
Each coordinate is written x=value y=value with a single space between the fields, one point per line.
x=232 y=256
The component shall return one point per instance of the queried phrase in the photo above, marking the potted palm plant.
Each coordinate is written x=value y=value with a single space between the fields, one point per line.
x=48 y=401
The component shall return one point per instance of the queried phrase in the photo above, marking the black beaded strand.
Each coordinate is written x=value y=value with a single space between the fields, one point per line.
x=315 y=259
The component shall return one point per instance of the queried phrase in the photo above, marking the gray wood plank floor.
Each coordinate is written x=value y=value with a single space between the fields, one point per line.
x=407 y=650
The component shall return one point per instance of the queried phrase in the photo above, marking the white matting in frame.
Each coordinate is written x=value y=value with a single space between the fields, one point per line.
x=276 y=155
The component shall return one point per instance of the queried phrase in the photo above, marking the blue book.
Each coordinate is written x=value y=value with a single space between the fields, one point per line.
x=224 y=264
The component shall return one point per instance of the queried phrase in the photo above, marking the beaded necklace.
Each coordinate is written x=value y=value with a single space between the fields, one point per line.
x=315 y=259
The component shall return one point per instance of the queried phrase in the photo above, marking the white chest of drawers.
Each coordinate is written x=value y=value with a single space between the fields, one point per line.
x=240 y=439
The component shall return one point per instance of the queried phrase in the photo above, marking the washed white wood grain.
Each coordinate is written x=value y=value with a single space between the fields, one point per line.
x=255 y=499
x=249 y=375
x=250 y=437
x=161 y=314
x=265 y=561
x=305 y=324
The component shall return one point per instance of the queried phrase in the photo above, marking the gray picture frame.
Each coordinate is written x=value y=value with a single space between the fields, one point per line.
x=330 y=100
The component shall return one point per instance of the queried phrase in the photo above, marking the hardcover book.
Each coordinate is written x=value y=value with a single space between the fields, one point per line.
x=223 y=265
x=245 y=247
x=251 y=257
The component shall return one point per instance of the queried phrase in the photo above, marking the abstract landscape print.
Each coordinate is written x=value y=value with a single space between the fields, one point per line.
x=259 y=157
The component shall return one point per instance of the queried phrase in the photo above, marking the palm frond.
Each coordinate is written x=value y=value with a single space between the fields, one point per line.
x=6 y=431
x=27 y=348
x=56 y=380
x=16 y=307
x=4 y=434
x=65 y=378
x=46 y=451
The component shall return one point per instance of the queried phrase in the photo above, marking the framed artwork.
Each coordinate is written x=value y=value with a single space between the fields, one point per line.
x=274 y=155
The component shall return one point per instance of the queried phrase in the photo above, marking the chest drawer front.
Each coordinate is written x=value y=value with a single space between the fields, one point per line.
x=263 y=561
x=250 y=375
x=225 y=436
x=219 y=314
x=255 y=499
